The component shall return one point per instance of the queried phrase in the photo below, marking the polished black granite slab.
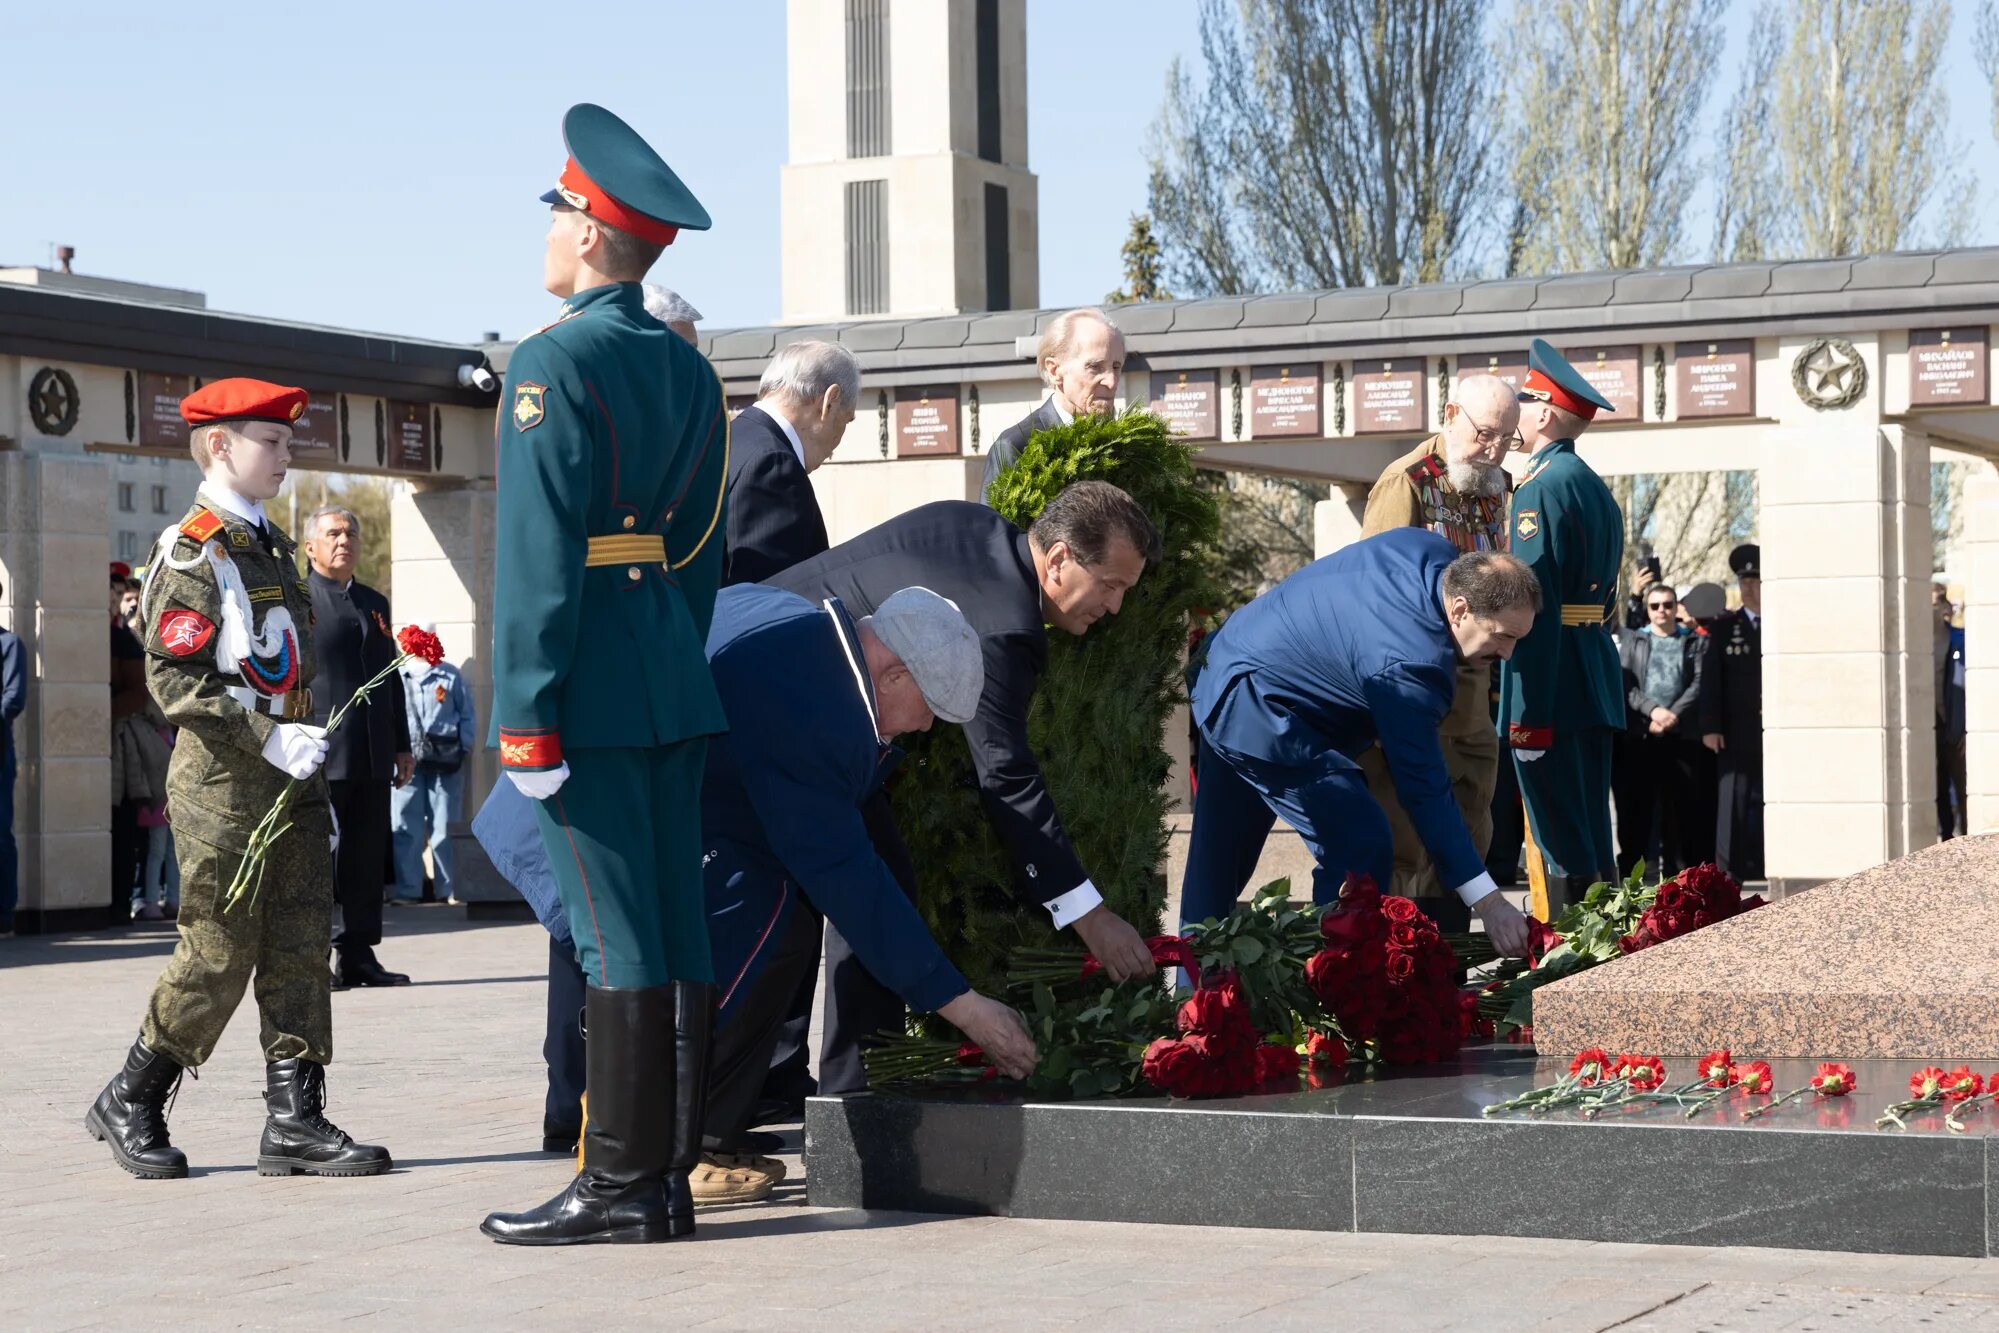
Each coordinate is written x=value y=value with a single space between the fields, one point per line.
x=1410 y=1152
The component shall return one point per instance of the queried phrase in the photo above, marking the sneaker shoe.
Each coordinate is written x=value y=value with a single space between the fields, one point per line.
x=149 y=912
x=720 y=1178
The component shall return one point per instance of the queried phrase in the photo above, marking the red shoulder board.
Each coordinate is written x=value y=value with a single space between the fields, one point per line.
x=200 y=525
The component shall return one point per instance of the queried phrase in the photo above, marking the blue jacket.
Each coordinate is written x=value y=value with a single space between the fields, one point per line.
x=1350 y=649
x=780 y=803
x=439 y=703
x=13 y=687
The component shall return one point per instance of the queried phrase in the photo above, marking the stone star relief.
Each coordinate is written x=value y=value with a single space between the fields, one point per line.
x=1829 y=369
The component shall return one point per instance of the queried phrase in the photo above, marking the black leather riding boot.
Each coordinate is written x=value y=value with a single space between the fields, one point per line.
x=131 y=1115
x=693 y=1036
x=619 y=1195
x=298 y=1138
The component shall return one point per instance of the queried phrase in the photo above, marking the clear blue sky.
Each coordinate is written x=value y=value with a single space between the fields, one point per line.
x=375 y=165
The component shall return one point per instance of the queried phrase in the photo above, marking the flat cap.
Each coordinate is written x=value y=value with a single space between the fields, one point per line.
x=934 y=640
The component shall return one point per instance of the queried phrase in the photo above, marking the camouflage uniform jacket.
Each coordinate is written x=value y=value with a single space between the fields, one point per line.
x=228 y=652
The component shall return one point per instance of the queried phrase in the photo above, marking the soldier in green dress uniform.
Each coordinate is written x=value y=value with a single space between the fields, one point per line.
x=228 y=652
x=613 y=450
x=1561 y=698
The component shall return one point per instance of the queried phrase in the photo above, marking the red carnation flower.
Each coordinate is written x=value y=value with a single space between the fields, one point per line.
x=1322 y=1048
x=1275 y=1063
x=1754 y=1077
x=1717 y=1069
x=420 y=643
x=1961 y=1083
x=1834 y=1080
x=1645 y=1072
x=1927 y=1082
x=1591 y=1066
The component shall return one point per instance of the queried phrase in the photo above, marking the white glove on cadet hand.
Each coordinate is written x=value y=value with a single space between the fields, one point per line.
x=1528 y=756
x=297 y=748
x=541 y=785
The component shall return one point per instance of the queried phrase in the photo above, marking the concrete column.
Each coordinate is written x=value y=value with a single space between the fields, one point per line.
x=1848 y=701
x=1981 y=648
x=53 y=556
x=442 y=556
x=1336 y=522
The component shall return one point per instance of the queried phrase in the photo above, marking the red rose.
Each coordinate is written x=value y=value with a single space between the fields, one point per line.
x=1180 y=1069
x=1400 y=967
x=1173 y=951
x=1676 y=897
x=968 y=1054
x=1471 y=1023
x=1753 y=901
x=1360 y=894
x=1219 y=1009
x=1324 y=1049
x=1275 y=1063
x=1353 y=928
x=1402 y=935
x=1399 y=909
x=1232 y=1060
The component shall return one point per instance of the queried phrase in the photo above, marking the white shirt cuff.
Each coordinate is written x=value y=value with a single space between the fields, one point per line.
x=1083 y=898
x=1477 y=887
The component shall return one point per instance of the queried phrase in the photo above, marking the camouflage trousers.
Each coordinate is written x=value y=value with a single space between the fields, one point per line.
x=280 y=940
x=1471 y=757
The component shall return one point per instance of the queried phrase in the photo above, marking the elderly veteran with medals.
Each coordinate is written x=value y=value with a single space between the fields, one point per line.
x=229 y=646
x=1562 y=693
x=1454 y=485
x=613 y=446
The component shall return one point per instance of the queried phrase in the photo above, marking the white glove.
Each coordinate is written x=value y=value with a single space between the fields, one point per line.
x=297 y=748
x=539 y=786
x=1528 y=756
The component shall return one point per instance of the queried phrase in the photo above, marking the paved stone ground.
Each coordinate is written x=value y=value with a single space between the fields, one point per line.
x=448 y=1074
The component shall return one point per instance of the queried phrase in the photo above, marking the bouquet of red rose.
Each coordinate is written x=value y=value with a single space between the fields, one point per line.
x=1387 y=978
x=1694 y=898
x=249 y=877
x=1219 y=1052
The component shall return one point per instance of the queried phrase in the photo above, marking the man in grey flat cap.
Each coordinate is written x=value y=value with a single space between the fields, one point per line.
x=671 y=309
x=814 y=698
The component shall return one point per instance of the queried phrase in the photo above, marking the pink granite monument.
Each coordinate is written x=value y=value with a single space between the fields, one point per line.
x=1897 y=962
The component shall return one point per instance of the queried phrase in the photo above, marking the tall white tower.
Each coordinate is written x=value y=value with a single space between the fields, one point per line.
x=907 y=192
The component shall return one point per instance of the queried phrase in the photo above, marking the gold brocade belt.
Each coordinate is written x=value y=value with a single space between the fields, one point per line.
x=1584 y=613
x=626 y=548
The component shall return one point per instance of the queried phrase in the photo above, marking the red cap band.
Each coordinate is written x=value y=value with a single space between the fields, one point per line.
x=1560 y=397
x=599 y=204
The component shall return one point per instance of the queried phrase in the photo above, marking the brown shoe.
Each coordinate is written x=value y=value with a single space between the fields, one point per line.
x=732 y=1178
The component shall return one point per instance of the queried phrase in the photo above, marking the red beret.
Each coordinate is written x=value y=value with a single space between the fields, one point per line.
x=243 y=400
x=120 y=570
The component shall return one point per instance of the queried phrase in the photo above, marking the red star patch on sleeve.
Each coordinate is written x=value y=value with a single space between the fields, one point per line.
x=185 y=633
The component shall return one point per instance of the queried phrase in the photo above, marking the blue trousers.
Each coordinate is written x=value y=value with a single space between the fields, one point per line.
x=10 y=857
x=1238 y=797
x=421 y=811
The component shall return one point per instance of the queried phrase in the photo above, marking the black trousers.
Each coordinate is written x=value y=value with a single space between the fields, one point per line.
x=1509 y=827
x=1951 y=750
x=128 y=857
x=1655 y=786
x=739 y=1058
x=858 y=1006
x=1739 y=824
x=360 y=867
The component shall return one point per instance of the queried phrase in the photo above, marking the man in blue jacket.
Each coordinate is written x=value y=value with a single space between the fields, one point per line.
x=1363 y=645
x=813 y=698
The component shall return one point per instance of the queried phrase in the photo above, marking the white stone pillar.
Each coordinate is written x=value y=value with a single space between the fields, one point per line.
x=1981 y=648
x=441 y=550
x=53 y=558
x=1848 y=703
x=1336 y=522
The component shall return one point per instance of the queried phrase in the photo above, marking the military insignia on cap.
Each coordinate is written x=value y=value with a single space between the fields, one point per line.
x=528 y=404
x=1528 y=523
x=298 y=410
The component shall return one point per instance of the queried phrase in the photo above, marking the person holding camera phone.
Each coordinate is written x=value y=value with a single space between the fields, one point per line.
x=443 y=724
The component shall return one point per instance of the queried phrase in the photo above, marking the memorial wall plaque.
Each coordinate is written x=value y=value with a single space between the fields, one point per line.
x=158 y=410
x=317 y=431
x=1612 y=372
x=1284 y=401
x=1509 y=366
x=1188 y=401
x=1388 y=397
x=1716 y=379
x=926 y=421
x=1947 y=366
x=410 y=438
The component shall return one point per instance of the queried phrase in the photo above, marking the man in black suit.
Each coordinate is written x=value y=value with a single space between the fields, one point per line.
x=370 y=753
x=1731 y=714
x=1081 y=357
x=1073 y=567
x=803 y=407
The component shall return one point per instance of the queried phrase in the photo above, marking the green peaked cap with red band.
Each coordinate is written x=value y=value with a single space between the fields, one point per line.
x=615 y=176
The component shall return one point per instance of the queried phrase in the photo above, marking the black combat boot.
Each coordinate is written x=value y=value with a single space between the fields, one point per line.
x=298 y=1138
x=131 y=1115
x=619 y=1195
x=693 y=1032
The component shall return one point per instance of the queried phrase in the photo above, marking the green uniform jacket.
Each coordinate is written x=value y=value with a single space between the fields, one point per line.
x=1565 y=677
x=219 y=785
x=611 y=426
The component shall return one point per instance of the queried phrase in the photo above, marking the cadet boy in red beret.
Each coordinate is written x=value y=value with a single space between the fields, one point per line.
x=228 y=653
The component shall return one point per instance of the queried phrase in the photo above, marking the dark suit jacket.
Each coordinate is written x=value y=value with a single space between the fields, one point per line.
x=1731 y=699
x=1634 y=651
x=1014 y=438
x=1349 y=650
x=774 y=519
x=971 y=555
x=355 y=638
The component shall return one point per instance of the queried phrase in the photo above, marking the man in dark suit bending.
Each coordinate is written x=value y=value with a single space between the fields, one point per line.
x=1081 y=357
x=1087 y=549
